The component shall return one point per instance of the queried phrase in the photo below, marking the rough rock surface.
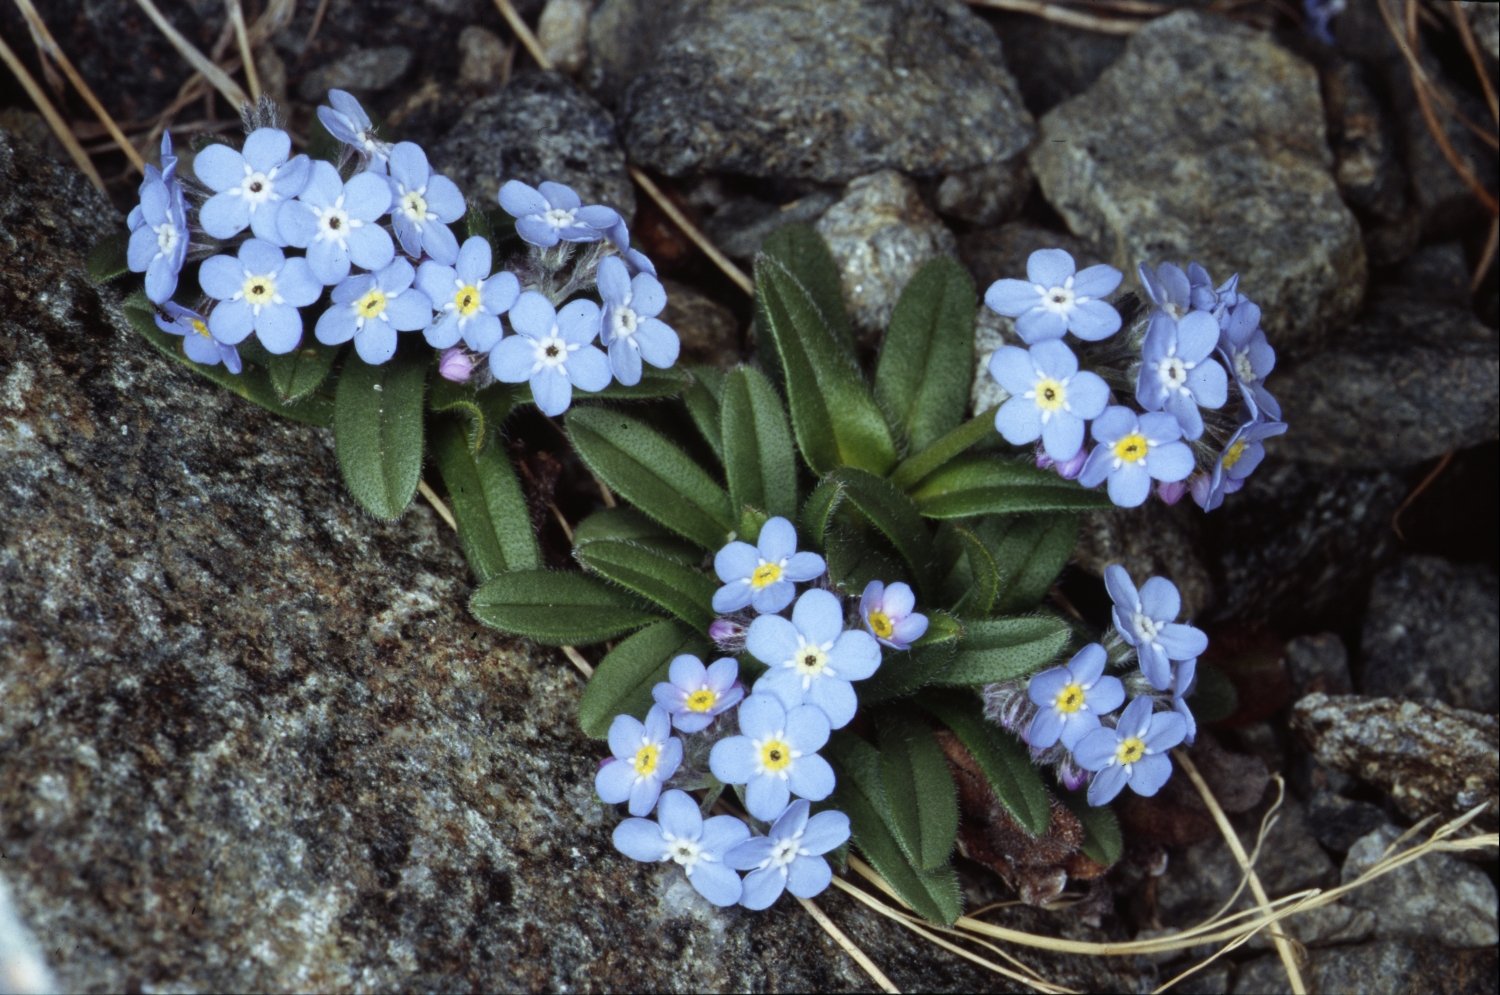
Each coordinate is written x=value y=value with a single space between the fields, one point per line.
x=824 y=90
x=1433 y=631
x=1380 y=967
x=1430 y=758
x=251 y=738
x=1319 y=663
x=1439 y=899
x=1217 y=153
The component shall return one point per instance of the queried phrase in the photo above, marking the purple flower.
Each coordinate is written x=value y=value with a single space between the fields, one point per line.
x=456 y=364
x=1250 y=357
x=887 y=612
x=553 y=351
x=695 y=695
x=1071 y=699
x=1182 y=686
x=371 y=308
x=1053 y=299
x=468 y=299
x=260 y=291
x=347 y=121
x=335 y=222
x=775 y=755
x=552 y=213
x=250 y=186
x=684 y=837
x=645 y=755
x=1171 y=493
x=1241 y=455
x=423 y=204
x=762 y=575
x=727 y=634
x=1176 y=373
x=1050 y=399
x=1147 y=620
x=1134 y=451
x=790 y=858
x=159 y=235
x=812 y=658
x=1068 y=469
x=1133 y=753
x=198 y=342
x=630 y=330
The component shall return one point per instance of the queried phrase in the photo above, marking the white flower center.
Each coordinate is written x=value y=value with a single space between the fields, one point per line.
x=623 y=322
x=785 y=851
x=558 y=218
x=258 y=290
x=1242 y=368
x=334 y=223
x=811 y=661
x=1059 y=300
x=414 y=205
x=1173 y=373
x=1145 y=627
x=685 y=852
x=257 y=188
x=166 y=238
x=552 y=351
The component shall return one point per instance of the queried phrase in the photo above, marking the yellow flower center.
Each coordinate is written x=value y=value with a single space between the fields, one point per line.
x=371 y=305
x=702 y=701
x=645 y=759
x=775 y=755
x=764 y=575
x=467 y=300
x=881 y=625
x=1069 y=699
x=201 y=328
x=1233 y=453
x=259 y=290
x=1131 y=448
x=1051 y=394
x=1130 y=750
x=810 y=660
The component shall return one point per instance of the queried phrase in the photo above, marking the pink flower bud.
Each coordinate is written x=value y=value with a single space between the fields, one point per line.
x=1171 y=493
x=456 y=364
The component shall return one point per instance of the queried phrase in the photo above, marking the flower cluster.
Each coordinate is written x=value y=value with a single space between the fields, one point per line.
x=1066 y=712
x=1171 y=363
x=377 y=254
x=811 y=660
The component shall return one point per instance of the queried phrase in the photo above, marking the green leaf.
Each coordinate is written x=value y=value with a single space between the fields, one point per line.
x=1005 y=762
x=1214 y=697
x=919 y=789
x=1031 y=550
x=684 y=591
x=902 y=674
x=108 y=259
x=974 y=577
x=933 y=894
x=802 y=250
x=301 y=371
x=557 y=608
x=920 y=464
x=653 y=384
x=927 y=360
x=628 y=525
x=1003 y=649
x=759 y=461
x=481 y=410
x=984 y=485
x=1102 y=842
x=622 y=682
x=494 y=522
x=834 y=415
x=651 y=473
x=377 y=432
x=253 y=384
x=879 y=502
x=703 y=397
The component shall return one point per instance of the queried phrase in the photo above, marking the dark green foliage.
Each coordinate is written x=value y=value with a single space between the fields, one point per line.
x=377 y=432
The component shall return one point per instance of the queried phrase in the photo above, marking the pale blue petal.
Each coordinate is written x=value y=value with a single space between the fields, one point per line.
x=408 y=165
x=1088 y=395
x=482 y=332
x=641 y=839
x=736 y=561
x=761 y=716
x=835 y=698
x=511 y=361
x=1197 y=335
x=811 y=778
x=1150 y=773
x=1062 y=436
x=297 y=223
x=1045 y=729
x=1106 y=784
x=625 y=736
x=613 y=280
x=370 y=246
x=551 y=391
x=1116 y=421
x=1154 y=665
x=559 y=195
x=1013 y=368
x=825 y=831
x=1087 y=664
x=807 y=727
x=1054 y=359
x=1171 y=462
x=1097 y=749
x=1106 y=695
x=658 y=343
x=1049 y=267
x=501 y=292
x=766 y=797
x=1093 y=320
x=1121 y=589
x=1011 y=298
x=446 y=201
x=721 y=832
x=329 y=262
x=443 y=334
x=808 y=876
x=219 y=167
x=748 y=854
x=855 y=655
x=266 y=148
x=643 y=795
x=1098 y=280
x=588 y=369
x=1209 y=384
x=1038 y=325
x=410 y=311
x=614 y=781
x=335 y=326
x=537 y=232
x=141 y=249
x=732 y=760
x=224 y=215
x=1167 y=731
x=803 y=567
x=762 y=888
x=296 y=283
x=1096 y=467
x=731 y=597
x=1129 y=486
x=771 y=639
x=717 y=883
x=777 y=539
x=679 y=815
x=279 y=328
x=783 y=684
x=1160 y=599
x=518 y=199
x=533 y=315
x=436 y=281
x=818 y=615
x=772 y=598
x=259 y=256
x=439 y=242
x=375 y=343
x=1182 y=642
x=1076 y=726
x=1136 y=718
x=647 y=296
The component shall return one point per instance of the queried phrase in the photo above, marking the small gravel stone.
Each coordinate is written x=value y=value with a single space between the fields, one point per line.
x=1437 y=899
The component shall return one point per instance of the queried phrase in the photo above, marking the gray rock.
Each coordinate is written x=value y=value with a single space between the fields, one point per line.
x=1433 y=631
x=880 y=234
x=823 y=90
x=563 y=31
x=1484 y=21
x=739 y=225
x=253 y=740
x=1338 y=822
x=1319 y=663
x=361 y=70
x=1430 y=758
x=1367 y=163
x=709 y=331
x=1437 y=899
x=1152 y=540
x=481 y=56
x=541 y=126
x=1412 y=379
x=1391 y=967
x=1216 y=153
x=1053 y=62
x=22 y=971
x=987 y=194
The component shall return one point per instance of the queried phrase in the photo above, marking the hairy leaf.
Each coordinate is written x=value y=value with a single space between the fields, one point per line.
x=759 y=460
x=1003 y=649
x=301 y=371
x=622 y=682
x=1030 y=550
x=684 y=591
x=1005 y=761
x=494 y=522
x=557 y=608
x=919 y=789
x=980 y=485
x=703 y=396
x=927 y=360
x=377 y=432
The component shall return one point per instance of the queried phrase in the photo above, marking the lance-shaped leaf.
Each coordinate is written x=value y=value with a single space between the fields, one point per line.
x=629 y=525
x=652 y=473
x=300 y=372
x=1030 y=551
x=834 y=415
x=494 y=522
x=254 y=385
x=974 y=577
x=377 y=432
x=1006 y=763
x=1102 y=841
x=802 y=250
x=918 y=788
x=703 y=396
x=982 y=485
x=684 y=591
x=557 y=608
x=902 y=674
x=921 y=463
x=861 y=796
x=878 y=502
x=759 y=461
x=927 y=359
x=1003 y=649
x=653 y=384
x=108 y=258
x=622 y=682
x=482 y=410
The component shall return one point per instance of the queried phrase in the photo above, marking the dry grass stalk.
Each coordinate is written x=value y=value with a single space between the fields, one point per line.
x=242 y=38
x=228 y=88
x=54 y=120
x=1063 y=15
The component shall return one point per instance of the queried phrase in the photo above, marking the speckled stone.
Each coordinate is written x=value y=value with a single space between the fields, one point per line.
x=252 y=739
x=1438 y=899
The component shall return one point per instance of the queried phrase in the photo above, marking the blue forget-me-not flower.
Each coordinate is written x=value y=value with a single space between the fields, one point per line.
x=775 y=756
x=763 y=575
x=684 y=837
x=1132 y=451
x=335 y=222
x=1050 y=397
x=1054 y=299
x=423 y=205
x=1176 y=372
x=1147 y=620
x=694 y=695
x=645 y=755
x=250 y=185
x=1071 y=698
x=198 y=343
x=630 y=328
x=888 y=612
x=813 y=658
x=1133 y=753
x=790 y=857
x=551 y=212
x=259 y=291
x=371 y=308
x=469 y=301
x=553 y=352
